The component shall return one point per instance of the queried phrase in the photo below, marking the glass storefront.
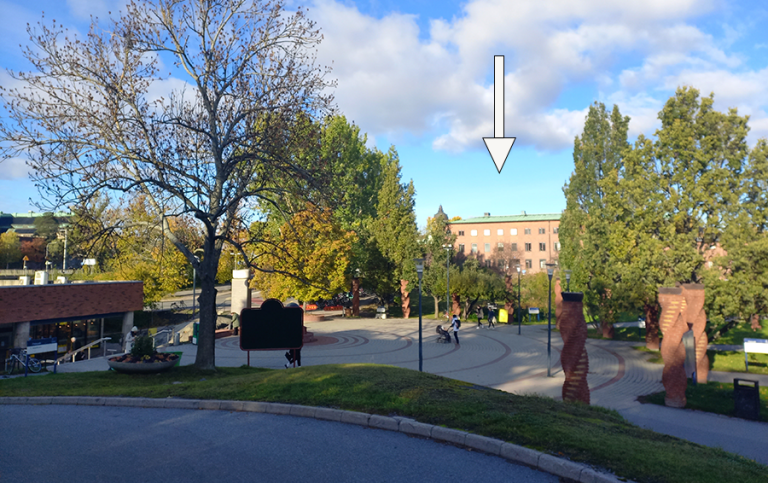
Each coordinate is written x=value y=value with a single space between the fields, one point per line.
x=74 y=334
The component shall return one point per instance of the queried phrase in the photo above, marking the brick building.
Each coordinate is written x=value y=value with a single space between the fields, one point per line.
x=504 y=241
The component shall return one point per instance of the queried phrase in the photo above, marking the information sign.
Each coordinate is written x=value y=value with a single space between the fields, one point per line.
x=272 y=327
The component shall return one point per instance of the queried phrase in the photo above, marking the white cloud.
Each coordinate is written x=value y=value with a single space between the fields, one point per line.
x=13 y=168
x=392 y=82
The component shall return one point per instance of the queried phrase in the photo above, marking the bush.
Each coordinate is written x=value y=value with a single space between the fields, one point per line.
x=143 y=346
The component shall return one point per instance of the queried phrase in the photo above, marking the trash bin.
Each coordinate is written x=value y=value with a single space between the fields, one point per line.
x=503 y=315
x=195 y=332
x=746 y=398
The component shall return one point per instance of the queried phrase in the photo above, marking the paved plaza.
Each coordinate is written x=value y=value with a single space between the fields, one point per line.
x=502 y=359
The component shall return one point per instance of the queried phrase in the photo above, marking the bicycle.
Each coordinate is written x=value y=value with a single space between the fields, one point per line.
x=20 y=360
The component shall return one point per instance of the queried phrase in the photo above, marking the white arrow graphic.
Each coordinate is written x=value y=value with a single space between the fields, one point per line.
x=498 y=145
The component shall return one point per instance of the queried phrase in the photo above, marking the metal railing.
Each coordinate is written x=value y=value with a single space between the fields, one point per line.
x=88 y=347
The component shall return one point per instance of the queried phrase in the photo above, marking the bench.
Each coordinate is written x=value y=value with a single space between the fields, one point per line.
x=755 y=346
x=381 y=313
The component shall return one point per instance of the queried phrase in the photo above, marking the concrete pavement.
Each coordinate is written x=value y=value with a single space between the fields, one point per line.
x=502 y=359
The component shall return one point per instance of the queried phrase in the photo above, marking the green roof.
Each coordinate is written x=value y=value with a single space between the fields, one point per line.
x=503 y=219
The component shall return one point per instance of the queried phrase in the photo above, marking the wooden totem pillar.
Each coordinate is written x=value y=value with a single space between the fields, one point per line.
x=573 y=330
x=405 y=299
x=455 y=304
x=356 y=297
x=696 y=318
x=558 y=302
x=673 y=326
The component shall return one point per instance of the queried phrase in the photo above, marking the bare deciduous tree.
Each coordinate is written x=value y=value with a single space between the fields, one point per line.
x=92 y=117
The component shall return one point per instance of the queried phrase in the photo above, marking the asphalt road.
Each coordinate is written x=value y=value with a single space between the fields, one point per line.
x=74 y=444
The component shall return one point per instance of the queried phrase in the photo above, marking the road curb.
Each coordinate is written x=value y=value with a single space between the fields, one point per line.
x=511 y=452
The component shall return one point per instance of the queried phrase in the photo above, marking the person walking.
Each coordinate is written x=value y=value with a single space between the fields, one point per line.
x=479 y=312
x=456 y=324
x=491 y=315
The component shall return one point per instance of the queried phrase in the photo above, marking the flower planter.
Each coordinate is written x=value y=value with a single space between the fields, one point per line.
x=138 y=367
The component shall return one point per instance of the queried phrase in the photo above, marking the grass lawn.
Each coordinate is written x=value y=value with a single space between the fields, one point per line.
x=725 y=361
x=714 y=397
x=737 y=335
x=587 y=434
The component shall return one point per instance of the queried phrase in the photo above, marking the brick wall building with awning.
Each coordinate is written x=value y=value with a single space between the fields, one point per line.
x=65 y=311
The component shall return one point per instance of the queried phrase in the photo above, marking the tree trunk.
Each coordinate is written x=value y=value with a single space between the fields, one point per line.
x=437 y=310
x=652 y=326
x=356 y=297
x=755 y=323
x=405 y=299
x=206 y=349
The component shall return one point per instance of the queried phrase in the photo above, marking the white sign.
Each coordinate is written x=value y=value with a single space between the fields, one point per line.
x=41 y=349
x=89 y=261
x=533 y=310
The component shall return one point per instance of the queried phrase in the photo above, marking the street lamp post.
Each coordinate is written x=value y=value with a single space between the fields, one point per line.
x=519 y=308
x=550 y=272
x=448 y=277
x=567 y=280
x=420 y=272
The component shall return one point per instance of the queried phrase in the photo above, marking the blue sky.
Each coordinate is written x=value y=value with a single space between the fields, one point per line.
x=418 y=75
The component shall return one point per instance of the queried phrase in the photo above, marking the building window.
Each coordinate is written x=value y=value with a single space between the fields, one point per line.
x=474 y=248
x=542 y=247
x=461 y=248
x=461 y=232
x=514 y=247
x=487 y=247
x=542 y=263
x=555 y=230
x=529 y=264
x=542 y=231
x=527 y=231
x=527 y=247
x=500 y=247
x=487 y=232
x=556 y=246
x=500 y=232
x=473 y=232
x=513 y=231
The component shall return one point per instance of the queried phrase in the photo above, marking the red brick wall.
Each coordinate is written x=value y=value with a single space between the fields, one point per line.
x=26 y=303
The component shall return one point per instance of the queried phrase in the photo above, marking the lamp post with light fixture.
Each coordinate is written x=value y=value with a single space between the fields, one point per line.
x=519 y=308
x=448 y=277
x=567 y=280
x=420 y=272
x=550 y=272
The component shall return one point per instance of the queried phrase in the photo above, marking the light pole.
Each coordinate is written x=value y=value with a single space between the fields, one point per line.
x=519 y=308
x=420 y=271
x=567 y=280
x=550 y=272
x=448 y=277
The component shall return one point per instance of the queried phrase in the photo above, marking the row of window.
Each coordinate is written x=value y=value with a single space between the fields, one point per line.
x=512 y=231
x=528 y=263
x=500 y=247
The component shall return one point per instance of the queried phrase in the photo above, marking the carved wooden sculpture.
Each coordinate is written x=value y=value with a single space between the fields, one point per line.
x=405 y=299
x=696 y=318
x=573 y=330
x=673 y=326
x=558 y=303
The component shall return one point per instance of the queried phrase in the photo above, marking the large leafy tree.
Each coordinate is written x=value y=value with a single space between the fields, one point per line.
x=90 y=120
x=435 y=277
x=394 y=229
x=586 y=225
x=10 y=248
x=307 y=258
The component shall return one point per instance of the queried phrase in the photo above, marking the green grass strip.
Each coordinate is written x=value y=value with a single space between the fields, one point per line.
x=713 y=397
x=587 y=434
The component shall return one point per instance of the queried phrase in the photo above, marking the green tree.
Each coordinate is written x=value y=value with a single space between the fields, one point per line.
x=586 y=225
x=434 y=279
x=10 y=248
x=47 y=227
x=394 y=228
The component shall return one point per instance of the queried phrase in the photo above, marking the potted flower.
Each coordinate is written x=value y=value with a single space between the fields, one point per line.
x=143 y=358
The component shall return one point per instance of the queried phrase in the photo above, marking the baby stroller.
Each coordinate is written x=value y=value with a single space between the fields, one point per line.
x=445 y=336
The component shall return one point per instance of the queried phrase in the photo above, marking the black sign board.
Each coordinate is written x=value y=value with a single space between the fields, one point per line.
x=272 y=327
